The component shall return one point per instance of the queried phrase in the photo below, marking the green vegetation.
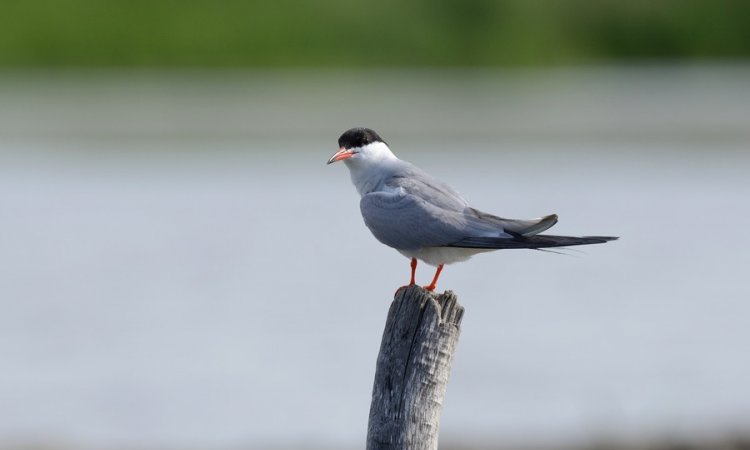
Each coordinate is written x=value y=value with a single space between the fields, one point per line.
x=343 y=33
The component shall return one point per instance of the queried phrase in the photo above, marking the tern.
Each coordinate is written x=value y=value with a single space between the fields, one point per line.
x=424 y=218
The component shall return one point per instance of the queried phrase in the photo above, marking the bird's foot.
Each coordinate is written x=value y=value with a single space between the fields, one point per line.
x=433 y=285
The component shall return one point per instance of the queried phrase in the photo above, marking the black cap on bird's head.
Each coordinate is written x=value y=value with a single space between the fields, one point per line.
x=358 y=137
x=352 y=140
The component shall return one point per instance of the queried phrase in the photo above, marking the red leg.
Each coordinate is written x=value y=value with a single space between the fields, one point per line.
x=432 y=285
x=413 y=271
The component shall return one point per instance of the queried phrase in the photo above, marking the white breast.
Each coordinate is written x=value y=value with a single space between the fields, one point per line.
x=435 y=256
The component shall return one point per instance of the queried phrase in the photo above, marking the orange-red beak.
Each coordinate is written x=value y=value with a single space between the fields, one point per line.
x=343 y=153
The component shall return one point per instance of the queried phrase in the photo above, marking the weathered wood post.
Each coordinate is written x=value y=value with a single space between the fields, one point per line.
x=420 y=336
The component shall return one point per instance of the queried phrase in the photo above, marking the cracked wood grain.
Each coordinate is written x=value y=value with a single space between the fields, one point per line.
x=413 y=367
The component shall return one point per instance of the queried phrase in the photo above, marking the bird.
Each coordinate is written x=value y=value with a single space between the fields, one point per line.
x=424 y=218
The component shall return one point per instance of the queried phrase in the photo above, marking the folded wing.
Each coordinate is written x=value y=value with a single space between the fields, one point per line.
x=405 y=222
x=517 y=227
x=412 y=210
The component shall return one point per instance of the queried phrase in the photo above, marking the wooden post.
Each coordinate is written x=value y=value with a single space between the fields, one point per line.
x=412 y=371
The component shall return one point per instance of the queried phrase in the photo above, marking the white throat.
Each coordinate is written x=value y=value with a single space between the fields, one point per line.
x=370 y=166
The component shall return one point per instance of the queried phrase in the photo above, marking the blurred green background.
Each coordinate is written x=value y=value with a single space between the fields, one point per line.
x=342 y=33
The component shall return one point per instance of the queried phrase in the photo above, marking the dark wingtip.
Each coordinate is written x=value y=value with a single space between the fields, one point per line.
x=603 y=238
x=537 y=241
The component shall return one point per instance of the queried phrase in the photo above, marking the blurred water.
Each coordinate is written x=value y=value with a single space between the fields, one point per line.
x=179 y=267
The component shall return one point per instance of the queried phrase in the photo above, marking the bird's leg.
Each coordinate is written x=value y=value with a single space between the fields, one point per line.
x=432 y=285
x=413 y=271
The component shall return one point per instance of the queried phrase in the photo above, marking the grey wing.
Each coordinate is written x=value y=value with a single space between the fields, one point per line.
x=415 y=210
x=414 y=181
x=515 y=227
x=407 y=222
